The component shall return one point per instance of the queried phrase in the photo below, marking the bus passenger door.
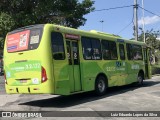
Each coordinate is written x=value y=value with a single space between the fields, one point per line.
x=122 y=65
x=147 y=62
x=73 y=65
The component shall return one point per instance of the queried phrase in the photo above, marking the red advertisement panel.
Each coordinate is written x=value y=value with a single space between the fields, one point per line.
x=18 y=41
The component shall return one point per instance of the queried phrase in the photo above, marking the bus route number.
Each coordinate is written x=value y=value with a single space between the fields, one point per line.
x=32 y=66
x=110 y=68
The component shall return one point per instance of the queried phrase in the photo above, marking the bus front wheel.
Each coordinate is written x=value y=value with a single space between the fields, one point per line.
x=100 y=86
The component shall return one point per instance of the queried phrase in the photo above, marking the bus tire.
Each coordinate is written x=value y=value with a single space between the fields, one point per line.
x=100 y=85
x=140 y=79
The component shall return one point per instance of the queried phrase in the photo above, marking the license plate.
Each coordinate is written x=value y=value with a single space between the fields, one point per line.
x=23 y=81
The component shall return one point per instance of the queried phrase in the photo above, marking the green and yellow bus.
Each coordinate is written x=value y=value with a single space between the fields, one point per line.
x=53 y=59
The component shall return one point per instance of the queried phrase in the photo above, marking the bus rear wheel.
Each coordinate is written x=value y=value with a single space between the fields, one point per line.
x=100 y=86
x=140 y=79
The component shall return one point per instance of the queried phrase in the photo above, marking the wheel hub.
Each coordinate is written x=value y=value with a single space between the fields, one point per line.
x=101 y=86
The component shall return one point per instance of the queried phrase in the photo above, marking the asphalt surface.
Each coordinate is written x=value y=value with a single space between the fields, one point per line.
x=125 y=98
x=2 y=90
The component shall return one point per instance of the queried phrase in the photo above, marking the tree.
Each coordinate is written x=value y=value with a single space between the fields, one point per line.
x=65 y=12
x=151 y=38
x=19 y=13
x=152 y=41
x=6 y=24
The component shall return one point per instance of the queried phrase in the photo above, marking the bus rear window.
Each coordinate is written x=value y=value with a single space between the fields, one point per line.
x=24 y=40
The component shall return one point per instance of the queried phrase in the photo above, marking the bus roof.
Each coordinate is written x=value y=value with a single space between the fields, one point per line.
x=27 y=27
x=94 y=33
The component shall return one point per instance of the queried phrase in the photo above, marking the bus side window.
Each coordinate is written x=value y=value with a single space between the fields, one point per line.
x=134 y=52
x=57 y=46
x=91 y=48
x=113 y=50
x=105 y=50
x=137 y=49
x=109 y=50
x=129 y=52
x=121 y=51
x=96 y=49
x=87 y=48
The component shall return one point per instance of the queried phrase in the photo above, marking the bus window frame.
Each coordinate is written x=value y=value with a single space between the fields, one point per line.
x=30 y=29
x=91 y=39
x=123 y=50
x=109 y=41
x=128 y=52
x=63 y=39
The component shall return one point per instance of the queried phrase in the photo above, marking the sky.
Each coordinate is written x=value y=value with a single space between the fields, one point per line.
x=116 y=20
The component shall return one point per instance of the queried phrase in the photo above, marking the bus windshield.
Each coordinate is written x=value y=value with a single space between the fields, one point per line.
x=24 y=40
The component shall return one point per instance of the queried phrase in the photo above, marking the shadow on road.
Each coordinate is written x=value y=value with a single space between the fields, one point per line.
x=72 y=100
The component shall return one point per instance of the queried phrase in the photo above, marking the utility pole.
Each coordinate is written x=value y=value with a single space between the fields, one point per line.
x=135 y=20
x=144 y=36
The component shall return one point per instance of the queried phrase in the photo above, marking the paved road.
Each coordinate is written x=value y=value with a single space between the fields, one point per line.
x=126 y=98
x=2 y=90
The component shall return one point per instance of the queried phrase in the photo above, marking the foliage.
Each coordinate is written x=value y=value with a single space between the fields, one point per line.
x=19 y=13
x=6 y=24
x=152 y=41
x=150 y=38
x=65 y=12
